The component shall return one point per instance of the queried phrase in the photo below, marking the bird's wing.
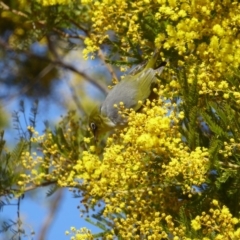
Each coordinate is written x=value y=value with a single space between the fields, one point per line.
x=123 y=92
x=145 y=80
x=129 y=91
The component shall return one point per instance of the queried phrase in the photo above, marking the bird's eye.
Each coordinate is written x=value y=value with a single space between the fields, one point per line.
x=93 y=126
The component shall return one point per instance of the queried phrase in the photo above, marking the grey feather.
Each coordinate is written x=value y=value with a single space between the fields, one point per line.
x=127 y=91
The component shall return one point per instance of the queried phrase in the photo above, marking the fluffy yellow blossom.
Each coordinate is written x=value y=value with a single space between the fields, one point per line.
x=54 y=2
x=218 y=220
x=217 y=29
x=196 y=224
x=86 y=140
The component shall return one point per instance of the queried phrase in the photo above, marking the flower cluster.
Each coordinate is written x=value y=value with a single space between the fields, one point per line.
x=219 y=223
x=139 y=167
x=54 y=2
x=141 y=176
x=54 y=164
x=204 y=35
x=81 y=234
x=192 y=166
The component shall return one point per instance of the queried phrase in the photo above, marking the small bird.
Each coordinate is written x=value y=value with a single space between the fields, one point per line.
x=130 y=90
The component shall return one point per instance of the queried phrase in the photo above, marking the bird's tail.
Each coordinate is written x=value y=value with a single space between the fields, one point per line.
x=152 y=61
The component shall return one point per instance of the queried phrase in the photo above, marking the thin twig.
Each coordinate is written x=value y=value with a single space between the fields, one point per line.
x=55 y=203
x=109 y=67
x=19 y=223
x=75 y=97
x=67 y=35
x=7 y=8
x=27 y=189
x=41 y=23
x=78 y=25
x=101 y=86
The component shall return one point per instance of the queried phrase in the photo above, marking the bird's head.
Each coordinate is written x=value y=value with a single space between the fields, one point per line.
x=99 y=123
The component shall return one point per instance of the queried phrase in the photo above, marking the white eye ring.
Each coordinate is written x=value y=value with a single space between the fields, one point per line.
x=93 y=126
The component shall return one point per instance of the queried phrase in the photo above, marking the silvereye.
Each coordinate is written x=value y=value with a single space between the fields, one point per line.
x=130 y=90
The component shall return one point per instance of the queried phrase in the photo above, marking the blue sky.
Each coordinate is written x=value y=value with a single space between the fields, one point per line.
x=34 y=211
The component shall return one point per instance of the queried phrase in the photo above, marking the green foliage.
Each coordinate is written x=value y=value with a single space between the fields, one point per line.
x=213 y=123
x=190 y=105
x=10 y=171
x=9 y=168
x=70 y=144
x=100 y=222
x=51 y=190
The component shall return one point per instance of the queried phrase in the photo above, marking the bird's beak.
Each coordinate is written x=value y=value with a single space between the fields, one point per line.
x=95 y=135
x=95 y=138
